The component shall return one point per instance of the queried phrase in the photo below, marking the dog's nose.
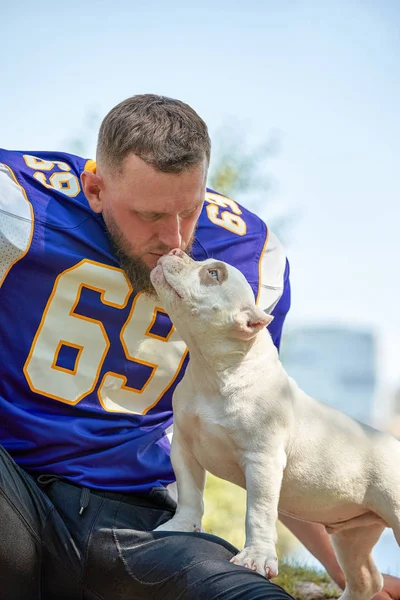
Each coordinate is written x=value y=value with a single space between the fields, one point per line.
x=178 y=252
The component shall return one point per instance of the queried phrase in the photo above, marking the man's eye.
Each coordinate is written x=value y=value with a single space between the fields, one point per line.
x=151 y=218
x=188 y=214
x=213 y=273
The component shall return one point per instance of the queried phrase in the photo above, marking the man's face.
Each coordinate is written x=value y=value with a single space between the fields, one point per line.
x=147 y=212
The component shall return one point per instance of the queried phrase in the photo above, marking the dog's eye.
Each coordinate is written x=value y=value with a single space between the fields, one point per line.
x=213 y=273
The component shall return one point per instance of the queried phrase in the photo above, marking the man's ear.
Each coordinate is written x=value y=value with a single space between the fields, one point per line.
x=92 y=184
x=249 y=321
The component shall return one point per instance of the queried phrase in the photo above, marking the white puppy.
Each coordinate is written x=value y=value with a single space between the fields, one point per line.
x=239 y=415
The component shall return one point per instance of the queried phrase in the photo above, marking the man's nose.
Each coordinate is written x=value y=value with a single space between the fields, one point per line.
x=171 y=235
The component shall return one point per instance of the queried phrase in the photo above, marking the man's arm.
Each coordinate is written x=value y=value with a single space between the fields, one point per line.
x=314 y=537
x=16 y=221
x=274 y=296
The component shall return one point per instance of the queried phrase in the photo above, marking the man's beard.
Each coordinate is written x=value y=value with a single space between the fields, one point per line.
x=133 y=265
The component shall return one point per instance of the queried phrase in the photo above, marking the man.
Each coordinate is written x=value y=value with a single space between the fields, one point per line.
x=89 y=361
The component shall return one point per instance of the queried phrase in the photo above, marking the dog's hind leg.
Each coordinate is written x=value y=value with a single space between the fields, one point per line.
x=392 y=518
x=353 y=550
x=383 y=493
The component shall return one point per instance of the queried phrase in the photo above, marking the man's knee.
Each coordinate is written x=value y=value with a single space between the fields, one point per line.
x=19 y=555
x=23 y=511
x=187 y=567
x=23 y=494
x=207 y=574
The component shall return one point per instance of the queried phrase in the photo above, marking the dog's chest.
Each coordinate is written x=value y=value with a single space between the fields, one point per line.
x=211 y=440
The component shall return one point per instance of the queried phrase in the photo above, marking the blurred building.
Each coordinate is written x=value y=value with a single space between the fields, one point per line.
x=396 y=402
x=393 y=423
x=334 y=364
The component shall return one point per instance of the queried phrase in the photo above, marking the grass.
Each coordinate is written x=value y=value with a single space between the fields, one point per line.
x=290 y=575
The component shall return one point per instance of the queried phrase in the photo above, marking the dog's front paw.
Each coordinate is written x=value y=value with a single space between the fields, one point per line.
x=261 y=559
x=181 y=524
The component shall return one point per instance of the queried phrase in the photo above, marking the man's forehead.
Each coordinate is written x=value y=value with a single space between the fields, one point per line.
x=135 y=167
x=155 y=191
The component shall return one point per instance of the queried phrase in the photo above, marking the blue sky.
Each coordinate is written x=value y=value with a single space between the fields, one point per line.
x=322 y=76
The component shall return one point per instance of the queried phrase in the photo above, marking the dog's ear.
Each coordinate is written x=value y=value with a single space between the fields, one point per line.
x=249 y=321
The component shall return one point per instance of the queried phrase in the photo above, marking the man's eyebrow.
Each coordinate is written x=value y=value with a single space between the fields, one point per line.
x=149 y=213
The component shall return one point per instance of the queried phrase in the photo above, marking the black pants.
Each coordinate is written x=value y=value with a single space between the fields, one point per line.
x=49 y=551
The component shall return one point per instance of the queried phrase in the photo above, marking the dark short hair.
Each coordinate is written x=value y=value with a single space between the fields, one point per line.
x=164 y=132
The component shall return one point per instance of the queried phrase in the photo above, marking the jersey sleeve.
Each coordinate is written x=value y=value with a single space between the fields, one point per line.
x=16 y=221
x=274 y=296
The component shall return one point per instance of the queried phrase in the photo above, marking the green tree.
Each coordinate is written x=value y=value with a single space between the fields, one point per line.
x=238 y=167
x=83 y=143
x=241 y=170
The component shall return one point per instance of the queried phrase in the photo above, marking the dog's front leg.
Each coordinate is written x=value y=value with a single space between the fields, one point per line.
x=190 y=478
x=263 y=483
